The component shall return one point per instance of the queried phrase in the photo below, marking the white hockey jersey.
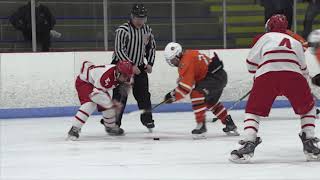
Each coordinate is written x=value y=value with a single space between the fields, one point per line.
x=276 y=52
x=102 y=77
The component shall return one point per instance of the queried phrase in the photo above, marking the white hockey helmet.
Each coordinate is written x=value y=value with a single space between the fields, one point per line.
x=314 y=40
x=171 y=51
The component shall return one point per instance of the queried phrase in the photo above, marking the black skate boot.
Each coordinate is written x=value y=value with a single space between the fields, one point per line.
x=112 y=131
x=310 y=147
x=147 y=121
x=246 y=152
x=73 y=133
x=200 y=131
x=231 y=128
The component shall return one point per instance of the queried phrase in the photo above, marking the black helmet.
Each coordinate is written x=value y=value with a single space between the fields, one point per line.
x=138 y=10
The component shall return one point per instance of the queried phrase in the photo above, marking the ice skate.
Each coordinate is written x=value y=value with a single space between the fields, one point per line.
x=147 y=121
x=245 y=152
x=113 y=130
x=310 y=147
x=200 y=131
x=150 y=126
x=73 y=133
x=231 y=128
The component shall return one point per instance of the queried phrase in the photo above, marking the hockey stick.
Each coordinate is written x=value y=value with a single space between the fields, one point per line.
x=149 y=110
x=234 y=104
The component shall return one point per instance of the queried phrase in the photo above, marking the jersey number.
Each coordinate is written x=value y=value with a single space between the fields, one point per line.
x=285 y=42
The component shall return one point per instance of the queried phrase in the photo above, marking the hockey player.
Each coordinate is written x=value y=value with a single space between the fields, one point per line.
x=278 y=63
x=314 y=42
x=93 y=86
x=204 y=79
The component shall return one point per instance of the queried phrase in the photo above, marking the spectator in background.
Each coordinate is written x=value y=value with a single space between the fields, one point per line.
x=312 y=11
x=45 y=21
x=272 y=7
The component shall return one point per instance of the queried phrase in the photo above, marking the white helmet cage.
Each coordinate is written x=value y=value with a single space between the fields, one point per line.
x=171 y=51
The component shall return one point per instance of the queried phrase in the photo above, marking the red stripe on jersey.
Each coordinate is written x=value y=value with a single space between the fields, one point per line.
x=308 y=116
x=251 y=63
x=82 y=121
x=101 y=66
x=279 y=60
x=212 y=106
x=84 y=113
x=252 y=71
x=198 y=105
x=251 y=127
x=184 y=90
x=251 y=120
x=82 y=68
x=279 y=51
x=306 y=125
x=89 y=68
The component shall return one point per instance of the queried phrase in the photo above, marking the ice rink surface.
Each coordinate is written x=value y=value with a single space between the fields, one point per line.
x=37 y=149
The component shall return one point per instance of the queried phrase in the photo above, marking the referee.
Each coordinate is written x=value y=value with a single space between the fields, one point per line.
x=135 y=42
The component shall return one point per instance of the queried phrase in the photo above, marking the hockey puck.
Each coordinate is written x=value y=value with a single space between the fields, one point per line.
x=156 y=139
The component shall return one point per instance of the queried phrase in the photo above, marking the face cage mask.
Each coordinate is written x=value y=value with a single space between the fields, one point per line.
x=314 y=47
x=170 y=63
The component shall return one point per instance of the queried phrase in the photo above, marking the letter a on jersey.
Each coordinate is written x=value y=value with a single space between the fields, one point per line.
x=285 y=42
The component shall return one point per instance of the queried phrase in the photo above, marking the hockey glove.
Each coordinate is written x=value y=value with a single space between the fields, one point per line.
x=169 y=98
x=316 y=80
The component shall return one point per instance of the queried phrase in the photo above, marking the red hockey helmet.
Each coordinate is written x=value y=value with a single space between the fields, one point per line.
x=125 y=68
x=277 y=23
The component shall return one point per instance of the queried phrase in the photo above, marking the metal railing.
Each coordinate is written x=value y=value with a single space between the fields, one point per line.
x=92 y=24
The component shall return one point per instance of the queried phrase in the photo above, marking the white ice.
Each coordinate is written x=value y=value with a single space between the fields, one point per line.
x=37 y=149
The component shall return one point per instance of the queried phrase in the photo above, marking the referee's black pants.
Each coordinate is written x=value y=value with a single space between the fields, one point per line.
x=141 y=93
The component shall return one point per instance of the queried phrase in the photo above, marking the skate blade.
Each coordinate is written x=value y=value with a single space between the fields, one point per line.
x=150 y=130
x=235 y=159
x=115 y=134
x=312 y=157
x=199 y=136
x=233 y=133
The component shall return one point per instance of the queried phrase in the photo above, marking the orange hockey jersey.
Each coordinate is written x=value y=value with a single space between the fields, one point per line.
x=298 y=38
x=193 y=67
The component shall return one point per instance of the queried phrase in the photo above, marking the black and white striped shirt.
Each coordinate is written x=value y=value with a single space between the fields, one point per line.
x=134 y=44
